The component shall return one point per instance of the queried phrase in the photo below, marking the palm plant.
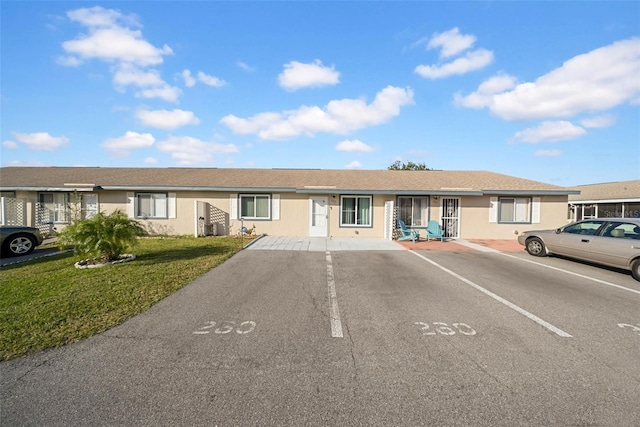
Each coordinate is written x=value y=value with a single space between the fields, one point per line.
x=104 y=236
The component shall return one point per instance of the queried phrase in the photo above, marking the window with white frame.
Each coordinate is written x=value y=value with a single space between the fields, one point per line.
x=514 y=209
x=355 y=211
x=53 y=208
x=255 y=206
x=151 y=205
x=413 y=210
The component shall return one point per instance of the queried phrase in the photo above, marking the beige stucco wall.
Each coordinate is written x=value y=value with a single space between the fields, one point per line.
x=295 y=215
x=474 y=217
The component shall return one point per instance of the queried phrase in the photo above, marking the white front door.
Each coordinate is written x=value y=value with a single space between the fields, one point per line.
x=318 y=219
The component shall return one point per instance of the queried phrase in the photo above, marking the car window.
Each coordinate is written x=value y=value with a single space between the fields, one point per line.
x=589 y=228
x=622 y=230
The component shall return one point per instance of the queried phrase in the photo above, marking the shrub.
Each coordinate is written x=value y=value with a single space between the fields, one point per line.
x=104 y=236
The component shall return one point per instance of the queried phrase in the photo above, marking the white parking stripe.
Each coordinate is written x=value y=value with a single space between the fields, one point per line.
x=511 y=305
x=575 y=274
x=334 y=312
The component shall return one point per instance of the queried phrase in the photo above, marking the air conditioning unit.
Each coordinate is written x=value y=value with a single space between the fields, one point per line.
x=211 y=229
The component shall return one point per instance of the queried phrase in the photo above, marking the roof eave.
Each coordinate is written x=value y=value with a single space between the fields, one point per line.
x=530 y=192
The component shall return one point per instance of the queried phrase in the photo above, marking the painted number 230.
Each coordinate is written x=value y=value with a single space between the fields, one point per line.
x=444 y=329
x=227 y=327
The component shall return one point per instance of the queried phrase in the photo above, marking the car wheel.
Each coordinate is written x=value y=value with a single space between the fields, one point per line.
x=635 y=269
x=20 y=244
x=535 y=247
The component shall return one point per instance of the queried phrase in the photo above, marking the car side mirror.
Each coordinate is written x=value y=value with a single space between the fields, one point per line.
x=558 y=230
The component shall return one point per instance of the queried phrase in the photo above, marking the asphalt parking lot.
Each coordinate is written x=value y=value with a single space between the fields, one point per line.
x=354 y=338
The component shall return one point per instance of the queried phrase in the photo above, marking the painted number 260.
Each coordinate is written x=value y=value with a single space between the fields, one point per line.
x=226 y=327
x=444 y=329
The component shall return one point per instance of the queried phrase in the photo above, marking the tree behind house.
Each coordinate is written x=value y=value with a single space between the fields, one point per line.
x=409 y=166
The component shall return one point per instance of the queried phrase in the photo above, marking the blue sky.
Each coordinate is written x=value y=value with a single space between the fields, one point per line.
x=548 y=91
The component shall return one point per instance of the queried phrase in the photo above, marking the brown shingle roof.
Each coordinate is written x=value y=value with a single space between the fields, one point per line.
x=302 y=180
x=607 y=191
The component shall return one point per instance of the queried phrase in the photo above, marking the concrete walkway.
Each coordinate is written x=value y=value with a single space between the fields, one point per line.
x=322 y=244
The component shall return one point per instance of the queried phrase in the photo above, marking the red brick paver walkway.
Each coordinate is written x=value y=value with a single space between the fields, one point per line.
x=502 y=245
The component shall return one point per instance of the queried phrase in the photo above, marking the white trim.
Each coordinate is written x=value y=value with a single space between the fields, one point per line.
x=233 y=206
x=388 y=219
x=196 y=220
x=535 y=210
x=171 y=206
x=275 y=207
x=493 y=209
x=131 y=201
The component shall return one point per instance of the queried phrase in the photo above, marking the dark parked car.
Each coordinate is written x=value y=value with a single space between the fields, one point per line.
x=609 y=241
x=18 y=240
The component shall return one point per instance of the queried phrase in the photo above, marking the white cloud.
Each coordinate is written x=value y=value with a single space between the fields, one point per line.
x=41 y=140
x=548 y=153
x=109 y=38
x=599 y=122
x=68 y=61
x=128 y=74
x=164 y=119
x=129 y=141
x=114 y=38
x=297 y=75
x=353 y=165
x=26 y=163
x=549 y=131
x=451 y=42
x=595 y=81
x=11 y=145
x=115 y=44
x=168 y=93
x=100 y=17
x=338 y=116
x=150 y=160
x=487 y=89
x=354 y=146
x=189 y=151
x=188 y=80
x=210 y=80
x=470 y=62
x=246 y=67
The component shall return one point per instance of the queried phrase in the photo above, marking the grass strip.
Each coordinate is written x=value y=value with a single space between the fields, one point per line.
x=47 y=302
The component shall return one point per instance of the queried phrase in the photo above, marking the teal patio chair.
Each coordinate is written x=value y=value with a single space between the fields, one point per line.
x=434 y=231
x=406 y=233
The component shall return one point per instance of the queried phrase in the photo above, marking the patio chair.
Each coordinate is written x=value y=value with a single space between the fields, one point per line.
x=406 y=233
x=434 y=231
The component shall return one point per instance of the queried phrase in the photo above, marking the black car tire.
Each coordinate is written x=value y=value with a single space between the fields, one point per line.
x=19 y=244
x=635 y=269
x=535 y=247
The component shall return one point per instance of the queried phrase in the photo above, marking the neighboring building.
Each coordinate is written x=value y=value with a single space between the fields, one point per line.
x=288 y=202
x=607 y=200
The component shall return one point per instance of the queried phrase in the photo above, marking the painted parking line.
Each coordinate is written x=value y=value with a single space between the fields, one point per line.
x=498 y=298
x=334 y=312
x=582 y=276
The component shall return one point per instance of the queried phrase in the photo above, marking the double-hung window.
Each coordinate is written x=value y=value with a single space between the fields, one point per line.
x=514 y=210
x=355 y=211
x=151 y=205
x=255 y=206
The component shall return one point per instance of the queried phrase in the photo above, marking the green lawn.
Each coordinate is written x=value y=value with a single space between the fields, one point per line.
x=48 y=302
